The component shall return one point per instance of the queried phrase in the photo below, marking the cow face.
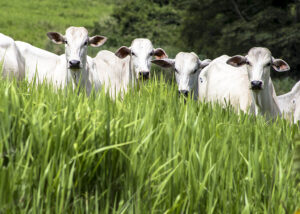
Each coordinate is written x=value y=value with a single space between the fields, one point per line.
x=258 y=61
x=141 y=52
x=76 y=41
x=187 y=67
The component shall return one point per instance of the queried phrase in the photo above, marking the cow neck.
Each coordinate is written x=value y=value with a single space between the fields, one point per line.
x=79 y=77
x=295 y=90
x=263 y=101
x=131 y=74
x=195 y=90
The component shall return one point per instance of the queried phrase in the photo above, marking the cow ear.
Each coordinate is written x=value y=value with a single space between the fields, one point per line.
x=237 y=61
x=204 y=63
x=123 y=52
x=164 y=63
x=55 y=37
x=280 y=65
x=159 y=53
x=97 y=41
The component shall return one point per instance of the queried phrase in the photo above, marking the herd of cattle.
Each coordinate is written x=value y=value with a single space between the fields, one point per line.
x=241 y=81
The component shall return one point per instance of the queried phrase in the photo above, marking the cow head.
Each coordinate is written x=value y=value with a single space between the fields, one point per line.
x=259 y=61
x=187 y=67
x=141 y=52
x=76 y=41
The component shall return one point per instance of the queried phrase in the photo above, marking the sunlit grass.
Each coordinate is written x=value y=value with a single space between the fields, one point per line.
x=30 y=20
x=148 y=153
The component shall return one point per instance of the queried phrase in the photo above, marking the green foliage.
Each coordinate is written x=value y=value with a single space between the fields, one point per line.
x=283 y=85
x=30 y=20
x=149 y=153
x=233 y=27
x=67 y=153
x=138 y=18
x=296 y=166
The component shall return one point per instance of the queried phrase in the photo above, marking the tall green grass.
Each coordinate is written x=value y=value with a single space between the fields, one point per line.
x=148 y=153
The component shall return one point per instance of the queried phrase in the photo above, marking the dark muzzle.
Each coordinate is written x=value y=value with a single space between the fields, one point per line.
x=256 y=85
x=184 y=93
x=144 y=75
x=74 y=64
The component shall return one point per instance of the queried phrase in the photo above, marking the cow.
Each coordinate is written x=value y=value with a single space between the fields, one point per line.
x=287 y=102
x=224 y=84
x=187 y=67
x=11 y=61
x=128 y=66
x=258 y=65
x=246 y=85
x=79 y=66
x=42 y=65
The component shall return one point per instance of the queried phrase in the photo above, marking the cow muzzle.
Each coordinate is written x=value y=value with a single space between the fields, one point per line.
x=74 y=64
x=183 y=92
x=145 y=75
x=256 y=85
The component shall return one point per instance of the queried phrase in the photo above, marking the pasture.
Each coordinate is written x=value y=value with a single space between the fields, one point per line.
x=29 y=21
x=149 y=153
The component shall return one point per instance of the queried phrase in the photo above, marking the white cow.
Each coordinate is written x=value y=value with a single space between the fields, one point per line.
x=79 y=66
x=222 y=83
x=42 y=65
x=11 y=61
x=258 y=63
x=246 y=85
x=297 y=110
x=187 y=67
x=287 y=101
x=128 y=66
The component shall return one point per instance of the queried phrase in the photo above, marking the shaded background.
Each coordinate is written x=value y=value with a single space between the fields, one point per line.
x=208 y=27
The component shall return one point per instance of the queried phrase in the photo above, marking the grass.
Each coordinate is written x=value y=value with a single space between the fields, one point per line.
x=30 y=20
x=150 y=153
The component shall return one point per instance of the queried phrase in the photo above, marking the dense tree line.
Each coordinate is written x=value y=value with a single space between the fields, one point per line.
x=234 y=26
x=210 y=27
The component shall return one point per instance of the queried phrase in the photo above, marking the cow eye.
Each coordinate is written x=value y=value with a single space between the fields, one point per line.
x=269 y=64
x=176 y=70
x=248 y=63
x=85 y=43
x=195 y=71
x=66 y=42
x=133 y=54
x=152 y=53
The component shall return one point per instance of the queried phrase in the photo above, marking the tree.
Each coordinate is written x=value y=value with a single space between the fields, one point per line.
x=233 y=27
x=155 y=20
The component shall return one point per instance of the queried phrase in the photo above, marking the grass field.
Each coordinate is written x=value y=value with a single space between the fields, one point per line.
x=150 y=153
x=30 y=20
